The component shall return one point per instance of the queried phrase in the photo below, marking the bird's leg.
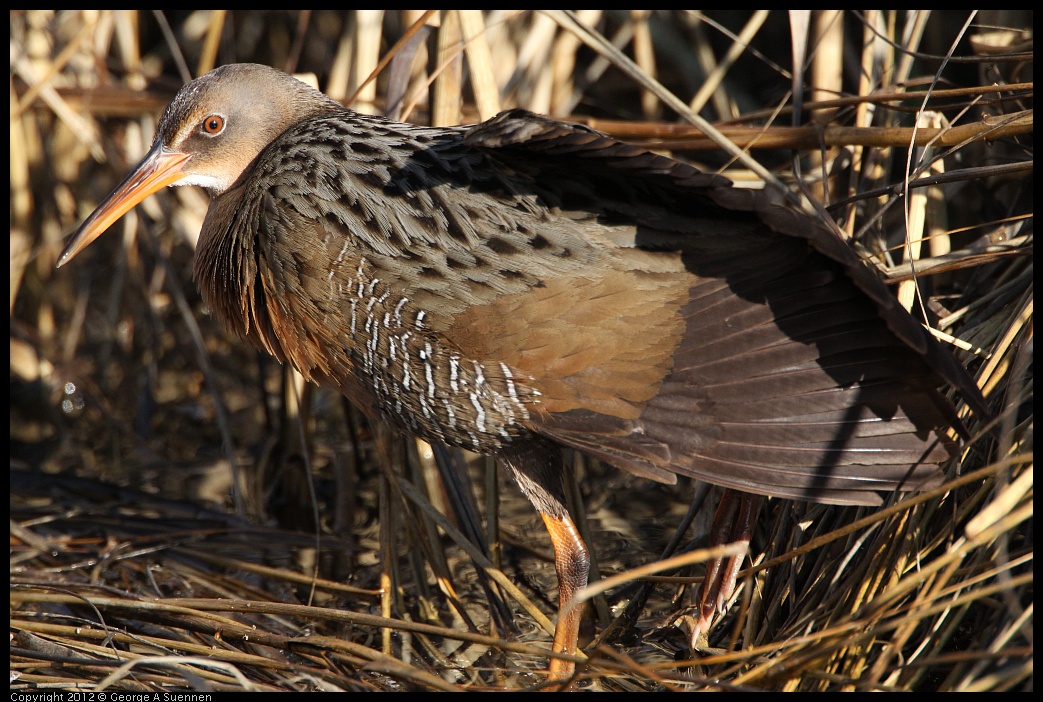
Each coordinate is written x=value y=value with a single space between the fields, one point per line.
x=732 y=523
x=537 y=468
x=572 y=564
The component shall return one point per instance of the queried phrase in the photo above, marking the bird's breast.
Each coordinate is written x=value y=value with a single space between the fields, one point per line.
x=341 y=322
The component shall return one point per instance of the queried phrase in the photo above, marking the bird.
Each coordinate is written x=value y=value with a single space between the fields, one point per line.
x=526 y=285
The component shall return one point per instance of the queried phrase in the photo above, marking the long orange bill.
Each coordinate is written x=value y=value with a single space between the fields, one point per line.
x=157 y=170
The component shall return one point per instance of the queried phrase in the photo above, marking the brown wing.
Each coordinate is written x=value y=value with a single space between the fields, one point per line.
x=793 y=372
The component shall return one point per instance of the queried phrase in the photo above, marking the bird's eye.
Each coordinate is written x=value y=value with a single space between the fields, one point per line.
x=214 y=124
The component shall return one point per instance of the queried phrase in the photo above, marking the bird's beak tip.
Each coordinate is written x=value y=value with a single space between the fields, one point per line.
x=157 y=170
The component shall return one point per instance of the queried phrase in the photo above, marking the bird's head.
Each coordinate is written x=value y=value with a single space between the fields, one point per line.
x=208 y=136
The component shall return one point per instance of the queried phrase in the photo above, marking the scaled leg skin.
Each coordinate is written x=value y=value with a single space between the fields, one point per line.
x=732 y=523
x=537 y=468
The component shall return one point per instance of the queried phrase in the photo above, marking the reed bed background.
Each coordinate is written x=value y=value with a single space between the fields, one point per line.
x=187 y=515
